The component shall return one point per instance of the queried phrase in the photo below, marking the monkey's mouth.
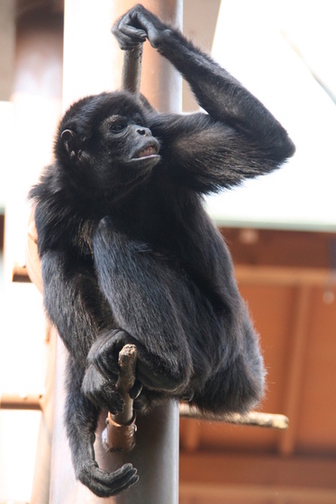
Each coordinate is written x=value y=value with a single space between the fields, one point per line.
x=150 y=150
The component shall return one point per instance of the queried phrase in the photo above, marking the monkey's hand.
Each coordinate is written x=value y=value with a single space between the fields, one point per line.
x=136 y=25
x=101 y=375
x=101 y=390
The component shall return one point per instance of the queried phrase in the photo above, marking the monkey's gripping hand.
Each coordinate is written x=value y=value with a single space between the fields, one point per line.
x=137 y=25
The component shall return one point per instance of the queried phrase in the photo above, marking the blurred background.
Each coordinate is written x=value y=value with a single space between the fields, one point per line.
x=280 y=229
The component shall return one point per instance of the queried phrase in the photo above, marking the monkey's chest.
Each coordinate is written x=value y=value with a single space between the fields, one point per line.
x=158 y=229
x=168 y=222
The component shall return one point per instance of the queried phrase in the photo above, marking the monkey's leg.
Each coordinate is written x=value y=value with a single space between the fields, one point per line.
x=239 y=385
x=81 y=422
x=153 y=371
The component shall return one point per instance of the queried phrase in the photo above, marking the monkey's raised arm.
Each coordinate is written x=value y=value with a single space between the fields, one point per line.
x=239 y=139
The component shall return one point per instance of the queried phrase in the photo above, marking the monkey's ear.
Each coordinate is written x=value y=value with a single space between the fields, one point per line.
x=70 y=141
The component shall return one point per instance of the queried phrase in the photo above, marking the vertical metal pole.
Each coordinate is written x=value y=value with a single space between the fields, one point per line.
x=156 y=452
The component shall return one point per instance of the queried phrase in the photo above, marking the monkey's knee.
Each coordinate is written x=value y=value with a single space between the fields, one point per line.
x=236 y=388
x=170 y=375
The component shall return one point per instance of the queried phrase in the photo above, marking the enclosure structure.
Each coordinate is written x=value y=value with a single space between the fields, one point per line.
x=287 y=278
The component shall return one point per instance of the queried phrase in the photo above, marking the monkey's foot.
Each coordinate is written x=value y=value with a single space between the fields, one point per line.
x=104 y=483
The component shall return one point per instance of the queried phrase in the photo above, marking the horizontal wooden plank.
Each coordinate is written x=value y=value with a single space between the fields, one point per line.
x=195 y=493
x=284 y=276
x=248 y=469
x=280 y=248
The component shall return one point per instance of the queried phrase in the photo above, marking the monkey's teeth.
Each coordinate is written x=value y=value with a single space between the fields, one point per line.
x=149 y=151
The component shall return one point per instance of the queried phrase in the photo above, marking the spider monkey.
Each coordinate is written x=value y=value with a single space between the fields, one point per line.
x=130 y=256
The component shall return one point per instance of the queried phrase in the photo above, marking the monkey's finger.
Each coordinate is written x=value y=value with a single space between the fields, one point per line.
x=104 y=356
x=150 y=23
x=101 y=390
x=135 y=33
x=111 y=401
x=129 y=36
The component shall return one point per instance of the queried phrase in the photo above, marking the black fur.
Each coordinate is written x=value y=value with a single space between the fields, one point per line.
x=129 y=255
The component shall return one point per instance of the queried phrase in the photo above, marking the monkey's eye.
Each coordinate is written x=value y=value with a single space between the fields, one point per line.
x=117 y=124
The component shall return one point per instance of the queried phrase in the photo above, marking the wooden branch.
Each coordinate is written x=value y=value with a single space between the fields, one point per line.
x=120 y=428
x=253 y=418
x=127 y=364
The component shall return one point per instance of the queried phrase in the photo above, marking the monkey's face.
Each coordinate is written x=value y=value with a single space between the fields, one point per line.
x=105 y=143
x=128 y=147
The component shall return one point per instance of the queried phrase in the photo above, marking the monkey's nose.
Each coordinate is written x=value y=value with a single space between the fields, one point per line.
x=144 y=131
